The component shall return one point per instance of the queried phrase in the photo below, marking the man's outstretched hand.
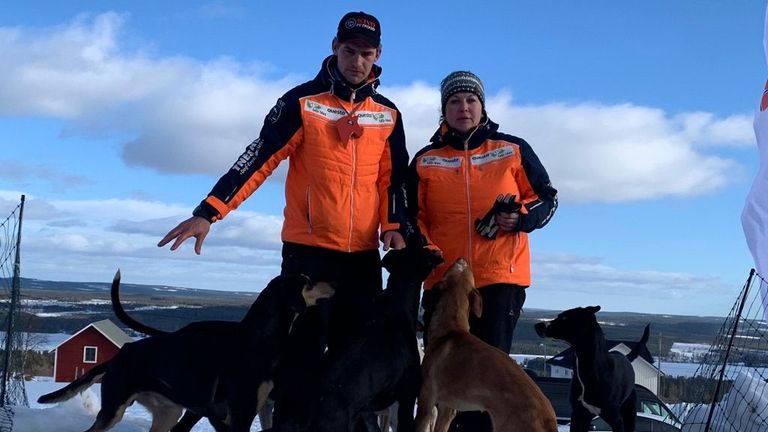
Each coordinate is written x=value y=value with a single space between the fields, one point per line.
x=195 y=226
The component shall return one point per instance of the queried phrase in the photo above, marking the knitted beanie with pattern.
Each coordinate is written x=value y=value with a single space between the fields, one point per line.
x=458 y=82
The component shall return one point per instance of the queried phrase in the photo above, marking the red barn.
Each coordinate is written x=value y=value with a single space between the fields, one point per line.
x=94 y=344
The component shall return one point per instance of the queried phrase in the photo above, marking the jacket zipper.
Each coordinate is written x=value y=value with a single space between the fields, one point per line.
x=468 y=196
x=352 y=194
x=309 y=211
x=470 y=226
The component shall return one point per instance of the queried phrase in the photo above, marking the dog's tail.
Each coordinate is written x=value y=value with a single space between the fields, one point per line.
x=75 y=386
x=123 y=316
x=643 y=340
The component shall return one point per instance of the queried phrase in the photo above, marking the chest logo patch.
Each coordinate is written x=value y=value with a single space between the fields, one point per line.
x=364 y=118
x=493 y=155
x=440 y=161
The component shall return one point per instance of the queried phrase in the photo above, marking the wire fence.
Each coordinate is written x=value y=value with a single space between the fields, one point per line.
x=12 y=390
x=737 y=366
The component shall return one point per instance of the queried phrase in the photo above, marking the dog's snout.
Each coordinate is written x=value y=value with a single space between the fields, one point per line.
x=318 y=293
x=461 y=264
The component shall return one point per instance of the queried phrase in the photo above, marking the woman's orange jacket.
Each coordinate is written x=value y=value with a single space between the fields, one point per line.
x=455 y=180
x=338 y=194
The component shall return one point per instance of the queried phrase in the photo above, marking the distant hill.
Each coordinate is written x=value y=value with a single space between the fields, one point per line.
x=84 y=289
x=66 y=307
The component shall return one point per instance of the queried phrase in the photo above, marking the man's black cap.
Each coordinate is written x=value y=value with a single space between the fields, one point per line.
x=361 y=26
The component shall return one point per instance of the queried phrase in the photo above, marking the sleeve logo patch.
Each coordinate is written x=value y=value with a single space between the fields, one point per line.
x=249 y=156
x=274 y=113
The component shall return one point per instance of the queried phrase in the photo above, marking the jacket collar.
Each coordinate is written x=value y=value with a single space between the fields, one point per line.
x=446 y=135
x=330 y=77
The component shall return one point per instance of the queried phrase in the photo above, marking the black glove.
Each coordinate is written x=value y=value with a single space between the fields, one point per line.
x=487 y=226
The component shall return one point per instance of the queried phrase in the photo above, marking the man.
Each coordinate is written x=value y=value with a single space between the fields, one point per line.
x=345 y=181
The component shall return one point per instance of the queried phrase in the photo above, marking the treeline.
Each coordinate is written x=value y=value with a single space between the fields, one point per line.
x=164 y=319
x=690 y=389
x=35 y=363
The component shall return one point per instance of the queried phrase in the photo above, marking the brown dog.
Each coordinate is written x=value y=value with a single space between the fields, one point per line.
x=462 y=373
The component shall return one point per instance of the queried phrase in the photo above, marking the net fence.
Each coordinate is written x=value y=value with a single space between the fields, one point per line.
x=12 y=390
x=736 y=369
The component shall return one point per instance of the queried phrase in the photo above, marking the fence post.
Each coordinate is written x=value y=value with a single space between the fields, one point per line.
x=737 y=318
x=15 y=288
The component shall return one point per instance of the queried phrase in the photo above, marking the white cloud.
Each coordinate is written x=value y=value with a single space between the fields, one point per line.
x=88 y=240
x=187 y=116
x=72 y=242
x=195 y=117
x=703 y=129
x=563 y=281
x=75 y=70
x=59 y=236
x=614 y=153
x=23 y=174
x=602 y=153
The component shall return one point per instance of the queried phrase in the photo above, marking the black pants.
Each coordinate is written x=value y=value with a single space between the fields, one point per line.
x=502 y=304
x=356 y=276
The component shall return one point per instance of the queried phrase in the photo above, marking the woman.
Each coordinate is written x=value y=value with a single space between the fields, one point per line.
x=477 y=193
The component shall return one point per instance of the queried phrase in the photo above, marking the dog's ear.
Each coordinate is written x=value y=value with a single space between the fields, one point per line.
x=476 y=303
x=592 y=309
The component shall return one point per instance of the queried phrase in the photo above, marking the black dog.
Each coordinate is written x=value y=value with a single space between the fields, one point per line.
x=603 y=382
x=189 y=419
x=380 y=366
x=218 y=369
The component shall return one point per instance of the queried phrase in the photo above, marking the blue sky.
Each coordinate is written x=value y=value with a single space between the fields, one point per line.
x=116 y=118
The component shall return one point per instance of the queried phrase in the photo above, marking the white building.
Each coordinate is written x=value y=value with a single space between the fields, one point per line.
x=646 y=374
x=689 y=351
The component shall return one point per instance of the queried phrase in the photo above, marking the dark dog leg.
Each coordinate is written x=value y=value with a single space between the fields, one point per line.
x=187 y=422
x=629 y=412
x=407 y=401
x=369 y=422
x=580 y=419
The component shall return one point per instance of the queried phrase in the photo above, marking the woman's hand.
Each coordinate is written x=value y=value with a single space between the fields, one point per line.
x=508 y=221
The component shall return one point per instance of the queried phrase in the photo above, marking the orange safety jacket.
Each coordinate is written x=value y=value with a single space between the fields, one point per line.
x=455 y=180
x=337 y=194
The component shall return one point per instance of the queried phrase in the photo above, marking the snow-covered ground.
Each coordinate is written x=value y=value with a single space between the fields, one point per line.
x=78 y=413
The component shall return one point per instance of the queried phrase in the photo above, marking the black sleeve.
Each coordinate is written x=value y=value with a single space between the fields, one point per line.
x=399 y=163
x=541 y=210
x=280 y=125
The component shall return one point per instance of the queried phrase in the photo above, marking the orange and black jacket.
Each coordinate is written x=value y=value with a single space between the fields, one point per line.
x=456 y=179
x=338 y=195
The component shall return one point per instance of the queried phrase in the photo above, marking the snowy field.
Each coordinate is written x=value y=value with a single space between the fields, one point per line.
x=78 y=413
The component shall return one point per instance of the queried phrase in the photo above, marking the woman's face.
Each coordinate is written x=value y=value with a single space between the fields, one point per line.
x=463 y=111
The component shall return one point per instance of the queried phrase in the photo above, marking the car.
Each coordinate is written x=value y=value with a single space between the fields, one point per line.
x=652 y=413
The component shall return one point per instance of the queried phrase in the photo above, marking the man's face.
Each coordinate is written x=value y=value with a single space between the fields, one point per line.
x=355 y=59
